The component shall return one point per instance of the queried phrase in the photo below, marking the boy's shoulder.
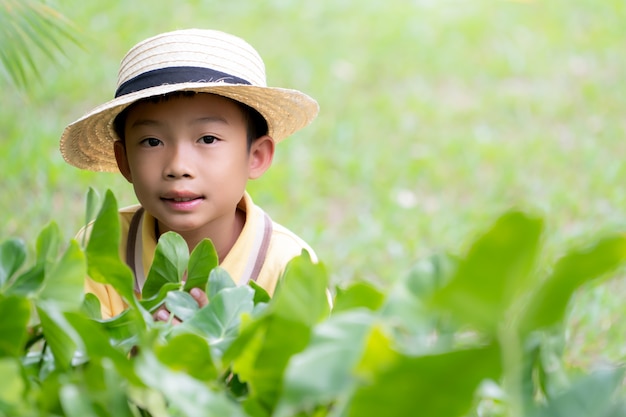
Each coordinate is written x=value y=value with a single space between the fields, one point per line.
x=286 y=241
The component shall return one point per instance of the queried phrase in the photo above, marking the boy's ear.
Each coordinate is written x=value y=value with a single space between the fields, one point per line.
x=122 y=160
x=261 y=156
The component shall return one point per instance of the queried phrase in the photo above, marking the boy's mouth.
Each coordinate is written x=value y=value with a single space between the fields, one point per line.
x=181 y=197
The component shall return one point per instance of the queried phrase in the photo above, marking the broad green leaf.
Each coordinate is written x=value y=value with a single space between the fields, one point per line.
x=201 y=262
x=151 y=304
x=12 y=257
x=578 y=267
x=301 y=294
x=186 y=395
x=417 y=328
x=61 y=337
x=12 y=383
x=431 y=274
x=99 y=340
x=261 y=353
x=196 y=360
x=91 y=206
x=14 y=317
x=103 y=259
x=29 y=282
x=74 y=402
x=181 y=304
x=260 y=295
x=589 y=395
x=358 y=294
x=48 y=244
x=219 y=320
x=496 y=270
x=433 y=385
x=100 y=384
x=124 y=329
x=64 y=284
x=323 y=372
x=219 y=279
x=149 y=400
x=169 y=264
x=91 y=307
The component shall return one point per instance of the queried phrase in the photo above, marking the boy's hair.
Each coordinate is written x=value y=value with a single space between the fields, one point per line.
x=256 y=125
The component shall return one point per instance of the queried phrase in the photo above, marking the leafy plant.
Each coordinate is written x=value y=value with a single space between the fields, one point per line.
x=473 y=335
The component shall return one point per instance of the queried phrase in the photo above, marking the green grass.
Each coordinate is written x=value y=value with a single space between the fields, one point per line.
x=436 y=116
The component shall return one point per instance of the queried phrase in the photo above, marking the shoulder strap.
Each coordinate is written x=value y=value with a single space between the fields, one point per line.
x=131 y=243
x=265 y=244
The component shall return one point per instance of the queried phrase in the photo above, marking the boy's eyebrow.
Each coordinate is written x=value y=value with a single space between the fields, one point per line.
x=209 y=119
x=144 y=122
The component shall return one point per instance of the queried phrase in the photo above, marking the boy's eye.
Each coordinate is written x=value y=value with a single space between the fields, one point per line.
x=151 y=142
x=208 y=139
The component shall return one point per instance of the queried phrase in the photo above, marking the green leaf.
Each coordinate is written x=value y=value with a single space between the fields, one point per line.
x=260 y=295
x=74 y=402
x=219 y=279
x=91 y=207
x=186 y=395
x=124 y=329
x=48 y=243
x=99 y=339
x=14 y=317
x=64 y=284
x=324 y=371
x=201 y=262
x=219 y=320
x=305 y=283
x=103 y=259
x=60 y=336
x=578 y=267
x=495 y=271
x=12 y=257
x=433 y=385
x=99 y=388
x=590 y=395
x=181 y=304
x=29 y=282
x=261 y=353
x=358 y=294
x=431 y=274
x=151 y=304
x=91 y=307
x=169 y=264
x=12 y=384
x=196 y=360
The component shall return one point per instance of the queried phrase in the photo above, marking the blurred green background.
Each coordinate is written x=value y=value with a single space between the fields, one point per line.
x=436 y=116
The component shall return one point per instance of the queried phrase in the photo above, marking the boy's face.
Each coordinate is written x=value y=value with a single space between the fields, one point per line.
x=188 y=161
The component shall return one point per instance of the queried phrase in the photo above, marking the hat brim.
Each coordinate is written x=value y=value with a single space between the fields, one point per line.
x=88 y=142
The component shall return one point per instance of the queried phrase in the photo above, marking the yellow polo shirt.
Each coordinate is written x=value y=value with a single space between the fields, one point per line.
x=240 y=262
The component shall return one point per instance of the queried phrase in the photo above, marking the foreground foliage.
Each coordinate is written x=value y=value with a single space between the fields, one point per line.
x=476 y=335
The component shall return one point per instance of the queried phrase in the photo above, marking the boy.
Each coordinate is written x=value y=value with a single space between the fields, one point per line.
x=192 y=121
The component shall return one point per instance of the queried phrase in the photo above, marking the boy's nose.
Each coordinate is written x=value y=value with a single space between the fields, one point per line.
x=178 y=165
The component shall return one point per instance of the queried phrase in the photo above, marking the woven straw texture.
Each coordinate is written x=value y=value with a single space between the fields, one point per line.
x=88 y=142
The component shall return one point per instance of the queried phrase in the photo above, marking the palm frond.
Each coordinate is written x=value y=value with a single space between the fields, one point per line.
x=29 y=30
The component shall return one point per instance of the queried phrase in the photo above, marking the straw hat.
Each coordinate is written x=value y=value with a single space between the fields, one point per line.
x=196 y=60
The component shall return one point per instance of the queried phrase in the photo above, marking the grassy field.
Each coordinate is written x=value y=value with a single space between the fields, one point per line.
x=436 y=116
